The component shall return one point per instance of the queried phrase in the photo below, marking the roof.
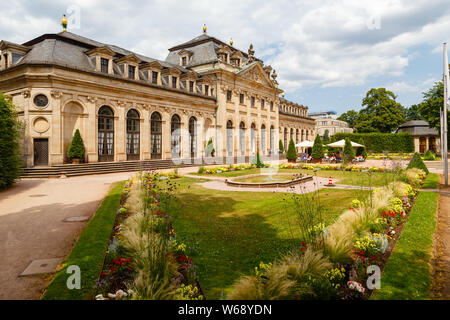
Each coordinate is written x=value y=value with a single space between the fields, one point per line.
x=418 y=128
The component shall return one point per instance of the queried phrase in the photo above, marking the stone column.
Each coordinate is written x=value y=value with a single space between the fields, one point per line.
x=145 y=134
x=91 y=143
x=56 y=153
x=120 y=133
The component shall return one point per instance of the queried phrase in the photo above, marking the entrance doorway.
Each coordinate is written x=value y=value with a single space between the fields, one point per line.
x=40 y=152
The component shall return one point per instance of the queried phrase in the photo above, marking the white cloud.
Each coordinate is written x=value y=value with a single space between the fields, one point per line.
x=323 y=43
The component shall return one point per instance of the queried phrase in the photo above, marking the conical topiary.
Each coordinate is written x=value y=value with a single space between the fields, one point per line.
x=349 y=154
x=76 y=149
x=416 y=162
x=317 y=149
x=291 y=153
x=280 y=146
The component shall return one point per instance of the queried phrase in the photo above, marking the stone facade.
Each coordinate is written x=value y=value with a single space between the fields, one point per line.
x=131 y=107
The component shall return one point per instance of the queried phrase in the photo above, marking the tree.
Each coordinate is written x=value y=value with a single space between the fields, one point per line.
x=430 y=107
x=381 y=113
x=76 y=149
x=280 y=146
x=413 y=113
x=317 y=149
x=326 y=137
x=350 y=117
x=291 y=152
x=416 y=162
x=348 y=151
x=209 y=150
x=10 y=133
x=361 y=151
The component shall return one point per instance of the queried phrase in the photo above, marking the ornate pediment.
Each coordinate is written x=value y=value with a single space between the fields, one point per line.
x=257 y=74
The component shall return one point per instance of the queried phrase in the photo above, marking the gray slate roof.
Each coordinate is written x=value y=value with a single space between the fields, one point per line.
x=418 y=128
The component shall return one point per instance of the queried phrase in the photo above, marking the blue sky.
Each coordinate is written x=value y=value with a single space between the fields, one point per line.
x=327 y=53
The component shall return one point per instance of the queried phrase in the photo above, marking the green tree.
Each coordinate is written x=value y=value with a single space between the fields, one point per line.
x=76 y=149
x=10 y=133
x=350 y=117
x=349 y=154
x=361 y=151
x=326 y=137
x=291 y=152
x=430 y=107
x=280 y=146
x=317 y=149
x=381 y=113
x=209 y=150
x=413 y=113
x=416 y=162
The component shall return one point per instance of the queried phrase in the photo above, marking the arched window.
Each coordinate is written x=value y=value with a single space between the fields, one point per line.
x=156 y=136
x=285 y=139
x=193 y=137
x=296 y=135
x=291 y=135
x=302 y=135
x=253 y=138
x=263 y=140
x=229 y=138
x=307 y=134
x=133 y=134
x=105 y=134
x=272 y=139
x=175 y=130
x=242 y=138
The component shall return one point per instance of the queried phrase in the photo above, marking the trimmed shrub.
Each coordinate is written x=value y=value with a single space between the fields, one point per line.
x=349 y=154
x=280 y=146
x=428 y=156
x=317 y=149
x=258 y=162
x=76 y=149
x=291 y=153
x=416 y=162
x=380 y=142
x=10 y=133
x=361 y=151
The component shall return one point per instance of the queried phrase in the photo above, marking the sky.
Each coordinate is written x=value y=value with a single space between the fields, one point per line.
x=327 y=53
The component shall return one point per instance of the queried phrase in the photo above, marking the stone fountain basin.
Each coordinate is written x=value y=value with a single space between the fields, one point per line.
x=301 y=178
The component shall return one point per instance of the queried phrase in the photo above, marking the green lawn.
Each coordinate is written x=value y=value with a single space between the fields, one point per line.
x=408 y=272
x=229 y=233
x=431 y=182
x=89 y=251
x=375 y=179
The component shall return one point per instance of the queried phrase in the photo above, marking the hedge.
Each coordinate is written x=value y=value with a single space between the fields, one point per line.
x=380 y=142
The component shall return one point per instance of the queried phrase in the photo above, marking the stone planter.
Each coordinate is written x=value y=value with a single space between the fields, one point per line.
x=76 y=161
x=292 y=160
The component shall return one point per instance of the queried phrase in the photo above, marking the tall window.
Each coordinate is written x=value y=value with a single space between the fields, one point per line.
x=175 y=129
x=272 y=139
x=285 y=139
x=206 y=90
x=155 y=136
x=230 y=138
x=263 y=139
x=154 y=77
x=191 y=86
x=296 y=136
x=252 y=101
x=271 y=105
x=133 y=133
x=174 y=82
x=291 y=136
x=228 y=95
x=105 y=134
x=131 y=72
x=241 y=98
x=193 y=137
x=253 y=138
x=183 y=61
x=104 y=63
x=302 y=135
x=242 y=138
x=262 y=103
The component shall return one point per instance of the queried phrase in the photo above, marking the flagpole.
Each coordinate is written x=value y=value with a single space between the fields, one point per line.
x=444 y=115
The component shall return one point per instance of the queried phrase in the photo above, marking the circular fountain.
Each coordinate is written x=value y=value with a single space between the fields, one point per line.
x=268 y=180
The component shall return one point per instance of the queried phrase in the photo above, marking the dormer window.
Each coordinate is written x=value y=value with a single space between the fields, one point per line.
x=174 y=82
x=5 y=59
x=236 y=62
x=11 y=53
x=131 y=72
x=154 y=77
x=206 y=90
x=191 y=86
x=104 y=64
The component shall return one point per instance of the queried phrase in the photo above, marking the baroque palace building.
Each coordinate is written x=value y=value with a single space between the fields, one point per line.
x=131 y=107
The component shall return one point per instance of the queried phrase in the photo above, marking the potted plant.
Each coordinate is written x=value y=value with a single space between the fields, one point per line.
x=76 y=150
x=317 y=150
x=291 y=153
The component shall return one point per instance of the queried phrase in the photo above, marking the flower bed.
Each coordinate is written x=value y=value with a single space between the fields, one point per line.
x=333 y=262
x=214 y=170
x=144 y=260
